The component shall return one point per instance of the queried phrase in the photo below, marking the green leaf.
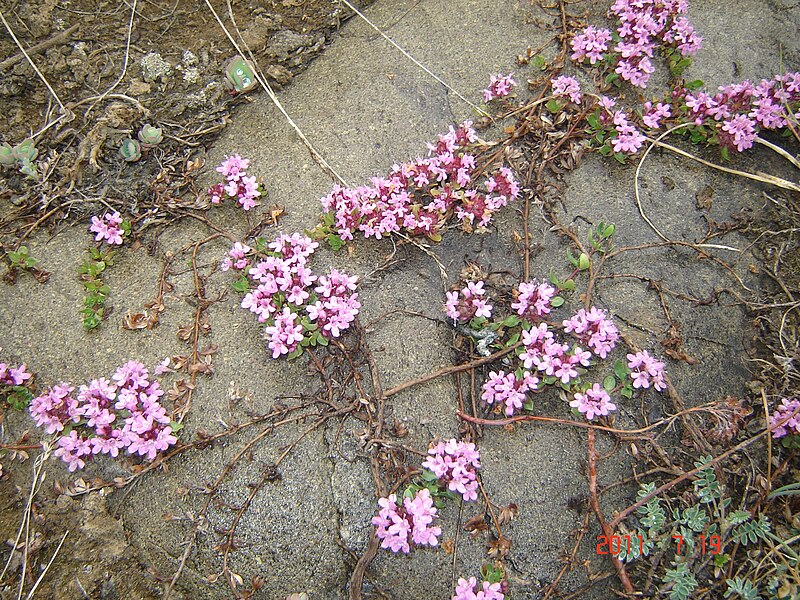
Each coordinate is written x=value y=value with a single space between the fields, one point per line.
x=511 y=321
x=694 y=85
x=620 y=369
x=513 y=339
x=572 y=260
x=792 y=489
x=583 y=261
x=19 y=398
x=568 y=285
x=605 y=149
x=554 y=106
x=241 y=285
x=176 y=427
x=556 y=301
x=620 y=158
x=612 y=77
x=429 y=475
x=609 y=383
x=725 y=153
x=626 y=392
x=477 y=322
x=594 y=121
x=539 y=62
x=335 y=242
x=295 y=353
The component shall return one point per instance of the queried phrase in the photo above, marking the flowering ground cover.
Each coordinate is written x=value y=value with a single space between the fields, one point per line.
x=428 y=440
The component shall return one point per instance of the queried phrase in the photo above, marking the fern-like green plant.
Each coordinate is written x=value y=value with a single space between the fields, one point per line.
x=750 y=531
x=743 y=588
x=683 y=582
x=706 y=486
x=654 y=516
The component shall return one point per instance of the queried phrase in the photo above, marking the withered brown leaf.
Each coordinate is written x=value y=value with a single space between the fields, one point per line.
x=138 y=320
x=184 y=333
x=499 y=548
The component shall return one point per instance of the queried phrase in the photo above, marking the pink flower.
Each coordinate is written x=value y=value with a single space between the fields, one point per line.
x=645 y=370
x=499 y=87
x=505 y=388
x=533 y=301
x=567 y=86
x=590 y=44
x=465 y=590
x=233 y=167
x=652 y=116
x=786 y=418
x=595 y=402
x=594 y=329
x=18 y=375
x=54 y=409
x=398 y=526
x=108 y=228
x=237 y=184
x=285 y=335
x=741 y=131
x=469 y=303
x=72 y=448
x=455 y=464
x=445 y=178
x=236 y=258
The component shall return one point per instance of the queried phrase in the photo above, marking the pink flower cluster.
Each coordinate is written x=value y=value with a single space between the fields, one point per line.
x=551 y=357
x=455 y=464
x=108 y=228
x=567 y=86
x=628 y=139
x=237 y=184
x=106 y=417
x=739 y=110
x=11 y=376
x=786 y=418
x=590 y=44
x=595 y=329
x=504 y=388
x=237 y=258
x=533 y=301
x=499 y=87
x=594 y=402
x=643 y=26
x=652 y=115
x=646 y=370
x=419 y=196
x=468 y=303
x=398 y=526
x=465 y=590
x=285 y=296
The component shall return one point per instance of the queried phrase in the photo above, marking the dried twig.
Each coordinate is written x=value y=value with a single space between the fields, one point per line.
x=35 y=49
